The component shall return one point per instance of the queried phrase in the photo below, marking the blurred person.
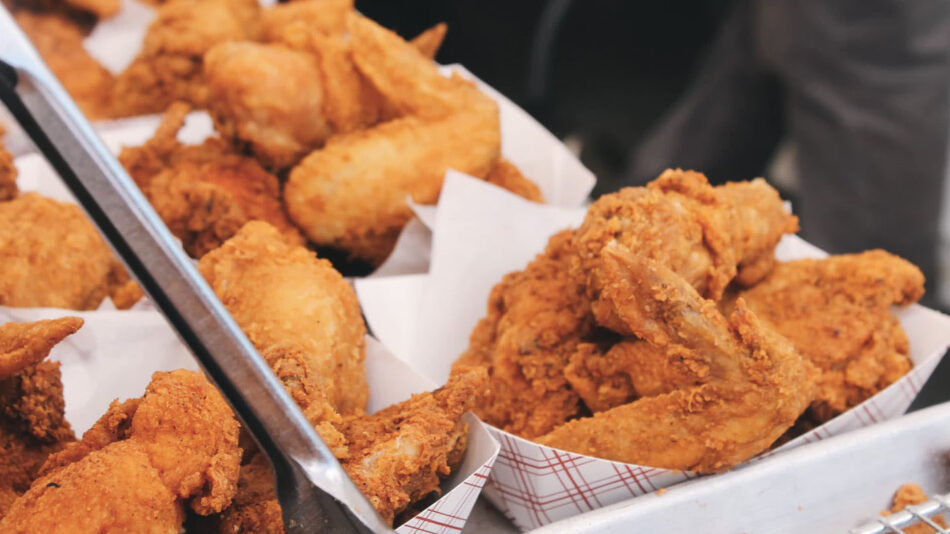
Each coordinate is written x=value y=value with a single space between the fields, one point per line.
x=861 y=89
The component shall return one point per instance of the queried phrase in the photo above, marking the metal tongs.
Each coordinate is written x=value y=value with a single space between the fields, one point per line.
x=315 y=493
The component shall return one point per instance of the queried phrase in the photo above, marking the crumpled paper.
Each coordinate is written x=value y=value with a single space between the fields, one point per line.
x=480 y=234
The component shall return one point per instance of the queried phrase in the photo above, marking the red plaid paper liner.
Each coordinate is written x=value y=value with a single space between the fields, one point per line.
x=534 y=485
x=451 y=511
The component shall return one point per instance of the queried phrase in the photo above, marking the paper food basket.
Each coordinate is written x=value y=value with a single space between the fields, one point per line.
x=480 y=233
x=829 y=487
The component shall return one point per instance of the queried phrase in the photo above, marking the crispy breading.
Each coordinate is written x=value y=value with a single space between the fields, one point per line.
x=137 y=468
x=759 y=384
x=205 y=193
x=52 y=256
x=508 y=176
x=302 y=316
x=836 y=311
x=32 y=423
x=397 y=457
x=706 y=235
x=536 y=319
x=60 y=41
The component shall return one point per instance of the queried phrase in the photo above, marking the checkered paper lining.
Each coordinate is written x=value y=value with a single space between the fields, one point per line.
x=451 y=511
x=534 y=485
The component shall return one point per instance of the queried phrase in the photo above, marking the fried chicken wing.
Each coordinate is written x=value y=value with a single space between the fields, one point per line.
x=169 y=67
x=351 y=194
x=302 y=316
x=139 y=465
x=706 y=235
x=204 y=193
x=429 y=41
x=32 y=424
x=324 y=16
x=52 y=256
x=397 y=456
x=758 y=384
x=59 y=41
x=536 y=320
x=836 y=311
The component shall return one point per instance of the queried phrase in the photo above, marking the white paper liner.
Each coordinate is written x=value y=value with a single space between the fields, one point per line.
x=115 y=354
x=481 y=233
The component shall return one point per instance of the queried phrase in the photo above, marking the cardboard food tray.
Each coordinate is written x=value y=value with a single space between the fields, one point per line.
x=829 y=487
x=115 y=354
x=480 y=234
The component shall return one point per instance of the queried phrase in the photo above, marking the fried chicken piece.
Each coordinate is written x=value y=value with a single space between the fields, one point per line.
x=909 y=495
x=535 y=322
x=836 y=311
x=324 y=16
x=268 y=98
x=302 y=316
x=205 y=193
x=169 y=67
x=139 y=465
x=707 y=235
x=397 y=456
x=32 y=424
x=351 y=194
x=429 y=41
x=59 y=41
x=508 y=176
x=758 y=383
x=52 y=256
x=8 y=173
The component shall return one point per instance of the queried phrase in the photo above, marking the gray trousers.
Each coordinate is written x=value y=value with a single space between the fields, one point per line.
x=862 y=89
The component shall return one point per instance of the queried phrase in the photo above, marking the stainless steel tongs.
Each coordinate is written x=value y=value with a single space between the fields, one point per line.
x=314 y=492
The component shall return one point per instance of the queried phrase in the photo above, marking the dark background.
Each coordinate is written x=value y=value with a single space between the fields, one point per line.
x=599 y=71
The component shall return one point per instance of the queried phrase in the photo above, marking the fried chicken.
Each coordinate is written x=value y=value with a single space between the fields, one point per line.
x=536 y=320
x=169 y=67
x=836 y=311
x=758 y=384
x=52 y=256
x=139 y=465
x=59 y=40
x=397 y=456
x=302 y=316
x=351 y=194
x=429 y=41
x=909 y=495
x=205 y=193
x=268 y=98
x=508 y=176
x=8 y=173
x=32 y=424
x=707 y=235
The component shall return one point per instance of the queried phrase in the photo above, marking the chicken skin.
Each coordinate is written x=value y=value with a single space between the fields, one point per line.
x=52 y=256
x=397 y=456
x=351 y=194
x=138 y=467
x=757 y=386
x=836 y=311
x=205 y=193
x=302 y=316
x=708 y=235
x=169 y=67
x=32 y=424
x=8 y=173
x=537 y=318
